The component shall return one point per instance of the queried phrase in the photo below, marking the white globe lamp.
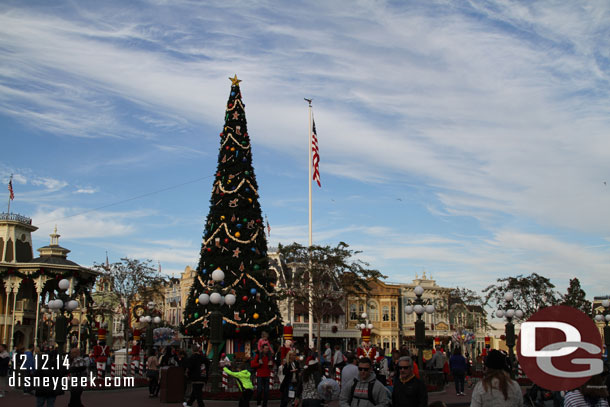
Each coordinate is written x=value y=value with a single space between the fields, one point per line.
x=230 y=299
x=419 y=290
x=215 y=298
x=204 y=299
x=218 y=275
x=64 y=284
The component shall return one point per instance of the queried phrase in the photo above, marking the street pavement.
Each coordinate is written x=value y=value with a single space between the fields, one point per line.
x=138 y=397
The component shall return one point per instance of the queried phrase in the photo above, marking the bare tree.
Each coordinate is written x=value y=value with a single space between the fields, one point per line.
x=335 y=275
x=131 y=282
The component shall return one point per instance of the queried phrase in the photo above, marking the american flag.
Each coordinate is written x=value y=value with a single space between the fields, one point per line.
x=268 y=226
x=10 y=189
x=316 y=155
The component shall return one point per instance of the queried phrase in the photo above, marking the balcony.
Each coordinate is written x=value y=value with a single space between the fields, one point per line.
x=15 y=218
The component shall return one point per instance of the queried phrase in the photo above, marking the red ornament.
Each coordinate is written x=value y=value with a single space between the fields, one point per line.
x=258 y=221
x=243 y=311
x=209 y=249
x=245 y=134
x=226 y=240
x=227 y=148
x=222 y=194
x=230 y=105
x=218 y=174
x=244 y=298
x=186 y=331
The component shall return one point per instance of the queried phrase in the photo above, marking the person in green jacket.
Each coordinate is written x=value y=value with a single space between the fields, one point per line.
x=242 y=376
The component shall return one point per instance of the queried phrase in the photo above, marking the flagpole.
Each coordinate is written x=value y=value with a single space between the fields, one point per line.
x=309 y=164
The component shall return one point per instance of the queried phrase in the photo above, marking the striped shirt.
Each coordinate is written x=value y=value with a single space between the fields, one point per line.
x=576 y=399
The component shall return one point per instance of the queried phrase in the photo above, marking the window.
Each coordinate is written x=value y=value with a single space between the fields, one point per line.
x=386 y=313
x=361 y=308
x=353 y=315
x=297 y=318
x=386 y=344
x=393 y=314
x=373 y=313
x=326 y=319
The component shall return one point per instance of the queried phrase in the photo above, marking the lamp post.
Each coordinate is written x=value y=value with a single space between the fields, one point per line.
x=150 y=319
x=217 y=299
x=419 y=306
x=507 y=311
x=63 y=303
x=605 y=319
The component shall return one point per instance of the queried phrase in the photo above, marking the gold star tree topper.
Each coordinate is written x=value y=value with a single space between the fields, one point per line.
x=234 y=80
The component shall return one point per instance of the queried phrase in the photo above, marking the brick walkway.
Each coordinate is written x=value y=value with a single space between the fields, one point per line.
x=138 y=397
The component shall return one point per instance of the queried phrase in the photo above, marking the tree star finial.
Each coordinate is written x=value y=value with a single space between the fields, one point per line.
x=234 y=80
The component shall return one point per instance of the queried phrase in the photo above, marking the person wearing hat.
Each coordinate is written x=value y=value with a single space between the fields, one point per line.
x=307 y=389
x=496 y=388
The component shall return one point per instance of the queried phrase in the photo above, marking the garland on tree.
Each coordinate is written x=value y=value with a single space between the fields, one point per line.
x=234 y=241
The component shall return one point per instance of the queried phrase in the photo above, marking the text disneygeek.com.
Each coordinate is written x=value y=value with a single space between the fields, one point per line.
x=66 y=383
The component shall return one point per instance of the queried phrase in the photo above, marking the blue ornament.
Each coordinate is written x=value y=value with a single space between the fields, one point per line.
x=253 y=291
x=247 y=189
x=238 y=226
x=244 y=159
x=253 y=249
x=232 y=93
x=204 y=271
x=222 y=283
x=224 y=322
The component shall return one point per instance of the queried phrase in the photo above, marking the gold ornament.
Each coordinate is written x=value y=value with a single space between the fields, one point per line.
x=222 y=217
x=255 y=316
x=237 y=234
x=196 y=300
x=250 y=200
x=234 y=80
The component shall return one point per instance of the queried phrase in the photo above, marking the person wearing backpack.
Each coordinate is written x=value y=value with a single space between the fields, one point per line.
x=365 y=390
x=408 y=391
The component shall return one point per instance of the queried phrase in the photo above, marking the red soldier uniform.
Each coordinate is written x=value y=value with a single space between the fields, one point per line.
x=101 y=352
x=366 y=351
x=287 y=342
x=135 y=349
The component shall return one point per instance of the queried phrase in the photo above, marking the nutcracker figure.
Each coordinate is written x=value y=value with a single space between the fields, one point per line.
x=135 y=351
x=366 y=350
x=287 y=347
x=101 y=352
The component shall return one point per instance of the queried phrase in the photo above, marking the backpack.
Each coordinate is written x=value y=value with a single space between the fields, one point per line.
x=369 y=392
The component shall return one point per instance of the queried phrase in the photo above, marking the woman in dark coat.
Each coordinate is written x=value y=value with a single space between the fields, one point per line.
x=291 y=370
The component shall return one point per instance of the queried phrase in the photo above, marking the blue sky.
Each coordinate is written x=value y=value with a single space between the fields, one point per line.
x=468 y=139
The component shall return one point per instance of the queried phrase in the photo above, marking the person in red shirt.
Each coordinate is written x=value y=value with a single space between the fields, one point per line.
x=263 y=363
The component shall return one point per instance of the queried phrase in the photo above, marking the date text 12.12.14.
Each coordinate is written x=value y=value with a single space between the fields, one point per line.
x=41 y=362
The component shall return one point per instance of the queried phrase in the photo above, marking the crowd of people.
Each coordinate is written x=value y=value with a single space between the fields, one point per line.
x=307 y=378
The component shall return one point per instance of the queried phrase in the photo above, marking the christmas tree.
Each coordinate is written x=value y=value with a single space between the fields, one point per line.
x=234 y=242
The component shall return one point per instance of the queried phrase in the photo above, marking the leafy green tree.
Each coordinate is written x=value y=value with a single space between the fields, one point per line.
x=530 y=293
x=335 y=275
x=576 y=298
